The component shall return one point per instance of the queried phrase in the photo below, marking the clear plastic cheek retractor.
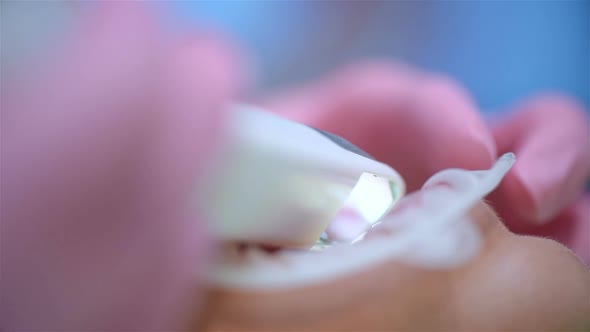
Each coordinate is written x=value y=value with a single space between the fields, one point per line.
x=431 y=228
x=281 y=183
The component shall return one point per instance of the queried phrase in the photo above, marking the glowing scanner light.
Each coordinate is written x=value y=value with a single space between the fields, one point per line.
x=370 y=199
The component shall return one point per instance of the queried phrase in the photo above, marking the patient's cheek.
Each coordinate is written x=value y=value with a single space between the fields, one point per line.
x=520 y=283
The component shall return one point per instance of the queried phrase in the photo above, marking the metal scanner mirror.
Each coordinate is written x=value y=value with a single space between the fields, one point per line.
x=279 y=182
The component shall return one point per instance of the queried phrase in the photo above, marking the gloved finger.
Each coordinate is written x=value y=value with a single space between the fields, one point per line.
x=194 y=92
x=551 y=137
x=417 y=123
x=101 y=152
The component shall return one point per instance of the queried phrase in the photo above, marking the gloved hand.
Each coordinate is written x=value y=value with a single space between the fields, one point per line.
x=544 y=194
x=420 y=123
x=102 y=147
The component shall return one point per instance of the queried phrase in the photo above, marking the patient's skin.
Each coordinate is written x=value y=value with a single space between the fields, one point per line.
x=516 y=283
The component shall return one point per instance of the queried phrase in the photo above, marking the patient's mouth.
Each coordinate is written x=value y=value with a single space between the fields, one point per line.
x=430 y=228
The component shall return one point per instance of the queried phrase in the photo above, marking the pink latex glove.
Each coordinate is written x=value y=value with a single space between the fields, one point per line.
x=421 y=123
x=543 y=194
x=102 y=147
x=416 y=122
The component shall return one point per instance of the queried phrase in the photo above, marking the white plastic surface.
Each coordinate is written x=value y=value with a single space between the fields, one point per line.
x=279 y=182
x=436 y=233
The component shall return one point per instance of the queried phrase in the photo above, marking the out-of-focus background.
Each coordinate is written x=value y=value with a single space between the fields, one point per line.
x=501 y=51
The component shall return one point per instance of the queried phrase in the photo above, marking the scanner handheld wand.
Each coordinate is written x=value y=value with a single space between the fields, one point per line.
x=278 y=182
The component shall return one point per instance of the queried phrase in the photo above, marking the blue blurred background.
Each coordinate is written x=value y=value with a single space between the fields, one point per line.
x=501 y=51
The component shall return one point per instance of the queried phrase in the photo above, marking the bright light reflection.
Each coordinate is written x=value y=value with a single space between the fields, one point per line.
x=371 y=197
x=368 y=201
